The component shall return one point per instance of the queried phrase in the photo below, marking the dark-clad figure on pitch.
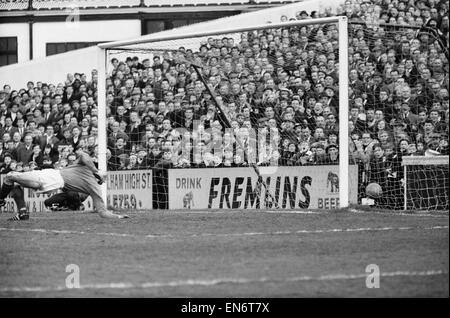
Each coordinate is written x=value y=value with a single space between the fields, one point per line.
x=81 y=177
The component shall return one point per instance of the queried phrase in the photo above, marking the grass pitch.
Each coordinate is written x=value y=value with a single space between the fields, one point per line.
x=226 y=254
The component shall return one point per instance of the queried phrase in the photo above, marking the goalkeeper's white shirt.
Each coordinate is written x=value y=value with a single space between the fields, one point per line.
x=50 y=179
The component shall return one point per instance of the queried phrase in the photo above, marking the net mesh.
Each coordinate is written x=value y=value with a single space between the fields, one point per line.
x=278 y=91
x=427 y=187
x=398 y=78
x=260 y=98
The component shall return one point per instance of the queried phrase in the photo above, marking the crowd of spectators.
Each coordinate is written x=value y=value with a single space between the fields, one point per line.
x=281 y=84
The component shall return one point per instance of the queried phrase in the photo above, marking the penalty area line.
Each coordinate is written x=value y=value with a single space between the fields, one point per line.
x=219 y=281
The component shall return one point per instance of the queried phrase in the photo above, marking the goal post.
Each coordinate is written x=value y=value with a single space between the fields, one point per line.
x=157 y=45
x=343 y=113
x=102 y=131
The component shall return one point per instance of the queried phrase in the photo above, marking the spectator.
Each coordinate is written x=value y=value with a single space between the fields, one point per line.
x=23 y=153
x=320 y=156
x=5 y=166
x=37 y=156
x=378 y=173
x=332 y=154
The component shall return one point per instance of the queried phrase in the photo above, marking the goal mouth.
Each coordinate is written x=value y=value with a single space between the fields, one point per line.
x=210 y=102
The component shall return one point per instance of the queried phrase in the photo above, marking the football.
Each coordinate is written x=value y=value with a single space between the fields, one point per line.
x=373 y=190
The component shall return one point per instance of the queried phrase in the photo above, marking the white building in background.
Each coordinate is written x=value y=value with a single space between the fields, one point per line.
x=33 y=29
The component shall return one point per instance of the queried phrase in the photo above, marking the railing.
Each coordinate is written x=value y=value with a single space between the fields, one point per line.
x=7 y=5
x=10 y=5
x=151 y=3
x=62 y=4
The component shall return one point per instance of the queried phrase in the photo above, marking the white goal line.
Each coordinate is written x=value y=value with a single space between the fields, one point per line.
x=423 y=213
x=442 y=214
x=183 y=236
x=218 y=281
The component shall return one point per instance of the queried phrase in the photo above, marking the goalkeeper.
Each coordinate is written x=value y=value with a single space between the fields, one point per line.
x=81 y=177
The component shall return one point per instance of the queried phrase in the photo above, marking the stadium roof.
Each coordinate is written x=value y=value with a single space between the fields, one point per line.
x=8 y=5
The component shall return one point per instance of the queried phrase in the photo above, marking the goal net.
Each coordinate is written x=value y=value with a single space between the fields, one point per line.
x=398 y=80
x=246 y=118
x=426 y=185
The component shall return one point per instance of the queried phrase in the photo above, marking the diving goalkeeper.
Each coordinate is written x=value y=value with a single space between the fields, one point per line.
x=82 y=176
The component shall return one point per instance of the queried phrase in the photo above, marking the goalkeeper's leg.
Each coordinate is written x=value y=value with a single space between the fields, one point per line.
x=26 y=179
x=17 y=194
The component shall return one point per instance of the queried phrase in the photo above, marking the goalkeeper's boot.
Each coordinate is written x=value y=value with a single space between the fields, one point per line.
x=21 y=216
